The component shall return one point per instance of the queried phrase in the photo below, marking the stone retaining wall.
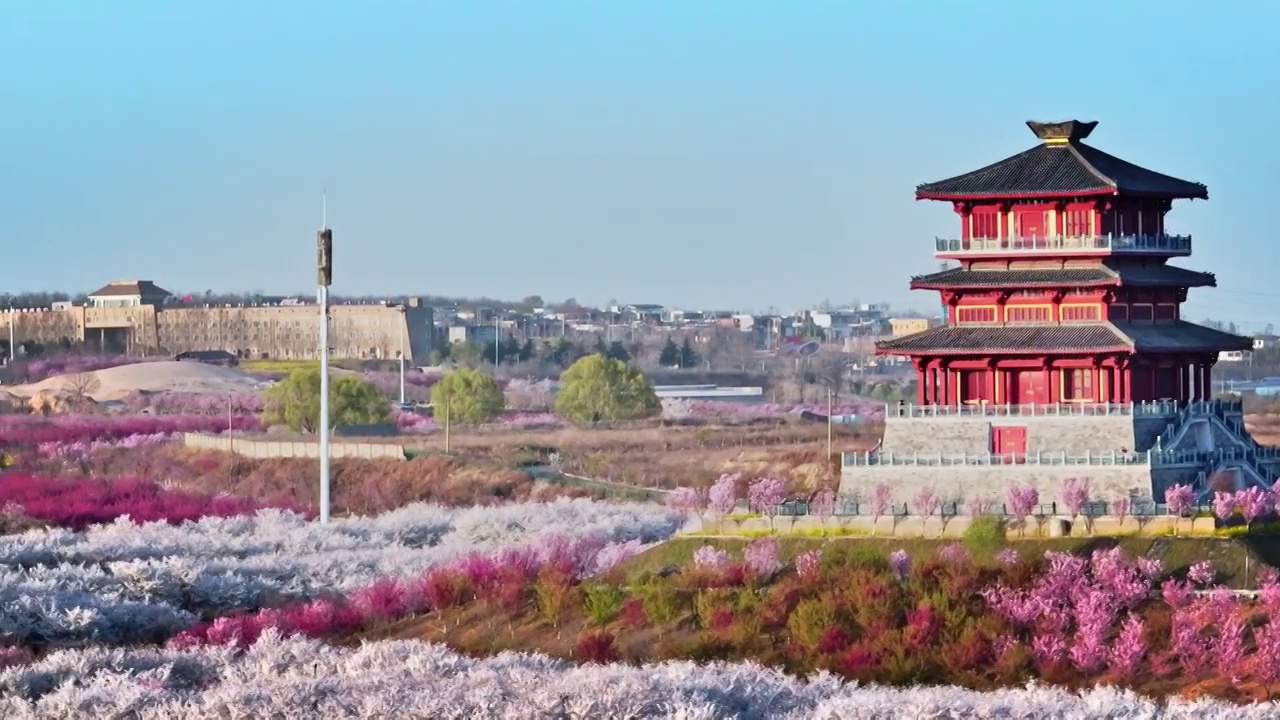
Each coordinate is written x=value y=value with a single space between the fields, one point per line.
x=287 y=448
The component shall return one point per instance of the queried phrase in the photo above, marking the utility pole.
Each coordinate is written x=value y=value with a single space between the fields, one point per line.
x=830 y=419
x=405 y=315
x=324 y=276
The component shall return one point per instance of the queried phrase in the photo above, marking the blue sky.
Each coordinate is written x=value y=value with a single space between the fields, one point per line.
x=700 y=154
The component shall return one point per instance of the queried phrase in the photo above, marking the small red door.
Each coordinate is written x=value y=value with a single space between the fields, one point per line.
x=1031 y=223
x=1029 y=386
x=1009 y=442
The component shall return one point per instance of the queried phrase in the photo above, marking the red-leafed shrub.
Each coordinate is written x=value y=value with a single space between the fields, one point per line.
x=596 y=646
x=77 y=503
x=632 y=614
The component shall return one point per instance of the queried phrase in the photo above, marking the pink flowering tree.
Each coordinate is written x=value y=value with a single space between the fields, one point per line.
x=880 y=499
x=809 y=564
x=1179 y=499
x=1075 y=493
x=1120 y=508
x=978 y=505
x=823 y=504
x=925 y=503
x=762 y=557
x=1254 y=502
x=1022 y=500
x=722 y=498
x=766 y=494
x=1224 y=505
x=688 y=501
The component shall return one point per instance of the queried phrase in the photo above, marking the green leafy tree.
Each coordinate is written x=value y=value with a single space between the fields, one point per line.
x=670 y=355
x=467 y=396
x=295 y=402
x=464 y=353
x=597 y=388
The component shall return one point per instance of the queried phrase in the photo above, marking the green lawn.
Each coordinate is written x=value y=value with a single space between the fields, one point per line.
x=1228 y=555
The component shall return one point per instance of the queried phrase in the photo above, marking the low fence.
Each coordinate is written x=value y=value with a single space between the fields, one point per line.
x=292 y=448
x=616 y=491
x=853 y=507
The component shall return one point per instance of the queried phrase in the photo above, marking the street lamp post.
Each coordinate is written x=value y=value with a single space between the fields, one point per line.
x=324 y=275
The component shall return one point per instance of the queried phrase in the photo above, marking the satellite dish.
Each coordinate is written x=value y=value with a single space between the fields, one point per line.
x=808 y=349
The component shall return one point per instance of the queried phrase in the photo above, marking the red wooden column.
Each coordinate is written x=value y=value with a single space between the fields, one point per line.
x=991 y=383
x=1055 y=383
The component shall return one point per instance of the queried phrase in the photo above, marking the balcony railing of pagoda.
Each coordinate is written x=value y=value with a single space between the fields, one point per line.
x=1085 y=244
x=1115 y=457
x=1158 y=408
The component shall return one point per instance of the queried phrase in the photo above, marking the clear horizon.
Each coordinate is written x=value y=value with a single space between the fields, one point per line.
x=714 y=156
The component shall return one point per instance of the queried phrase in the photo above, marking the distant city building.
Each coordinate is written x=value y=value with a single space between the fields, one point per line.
x=903 y=326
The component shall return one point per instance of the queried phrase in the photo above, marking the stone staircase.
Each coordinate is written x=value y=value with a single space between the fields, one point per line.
x=1212 y=434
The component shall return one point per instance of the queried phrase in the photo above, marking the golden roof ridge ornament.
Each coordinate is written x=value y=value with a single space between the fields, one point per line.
x=1061 y=133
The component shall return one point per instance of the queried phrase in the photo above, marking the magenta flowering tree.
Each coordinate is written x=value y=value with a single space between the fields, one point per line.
x=1021 y=502
x=1254 y=502
x=722 y=498
x=823 y=504
x=766 y=495
x=880 y=498
x=1201 y=573
x=1224 y=505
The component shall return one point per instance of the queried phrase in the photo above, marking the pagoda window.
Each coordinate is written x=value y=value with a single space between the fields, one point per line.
x=1166 y=311
x=1118 y=311
x=984 y=225
x=1077 y=385
x=1141 y=312
x=981 y=314
x=1076 y=223
x=1080 y=313
x=1028 y=313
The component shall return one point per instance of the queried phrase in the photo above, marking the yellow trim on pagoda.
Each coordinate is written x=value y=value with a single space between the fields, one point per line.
x=1029 y=306
x=1056 y=141
x=995 y=314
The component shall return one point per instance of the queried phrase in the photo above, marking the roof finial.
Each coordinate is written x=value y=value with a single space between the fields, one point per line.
x=1067 y=131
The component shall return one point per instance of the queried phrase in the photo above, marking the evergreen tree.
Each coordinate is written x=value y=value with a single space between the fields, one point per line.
x=670 y=355
x=601 y=348
x=618 y=352
x=688 y=358
x=527 y=351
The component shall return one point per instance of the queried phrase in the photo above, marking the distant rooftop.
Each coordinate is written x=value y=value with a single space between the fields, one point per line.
x=126 y=288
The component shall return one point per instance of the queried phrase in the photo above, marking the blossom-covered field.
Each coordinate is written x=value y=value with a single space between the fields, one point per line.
x=298 y=677
x=124 y=582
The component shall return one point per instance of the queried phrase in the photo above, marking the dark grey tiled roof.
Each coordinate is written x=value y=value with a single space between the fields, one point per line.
x=959 y=277
x=1097 y=337
x=1163 y=275
x=1060 y=168
x=1109 y=274
x=1181 y=335
x=1008 y=338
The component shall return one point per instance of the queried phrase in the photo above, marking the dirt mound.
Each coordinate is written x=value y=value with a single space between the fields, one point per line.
x=165 y=376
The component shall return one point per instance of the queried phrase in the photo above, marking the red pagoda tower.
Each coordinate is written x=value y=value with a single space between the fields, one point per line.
x=1064 y=292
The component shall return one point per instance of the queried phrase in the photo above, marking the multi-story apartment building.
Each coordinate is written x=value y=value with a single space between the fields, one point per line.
x=137 y=317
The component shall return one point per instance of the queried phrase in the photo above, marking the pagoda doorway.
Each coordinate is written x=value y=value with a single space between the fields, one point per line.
x=1028 y=386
